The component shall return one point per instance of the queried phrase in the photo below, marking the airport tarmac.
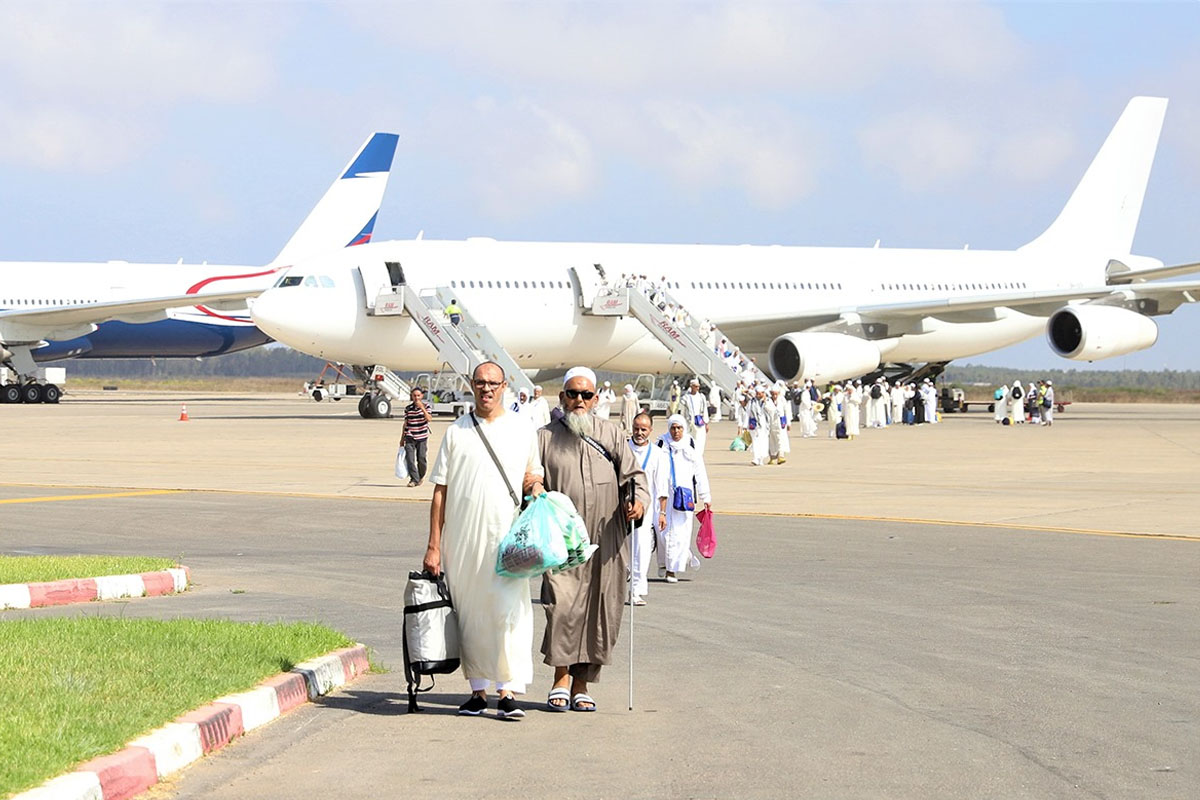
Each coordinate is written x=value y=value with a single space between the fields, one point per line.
x=1041 y=641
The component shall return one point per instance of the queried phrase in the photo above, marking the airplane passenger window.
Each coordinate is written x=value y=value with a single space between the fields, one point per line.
x=489 y=284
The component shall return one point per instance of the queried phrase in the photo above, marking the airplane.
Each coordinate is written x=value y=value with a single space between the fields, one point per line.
x=115 y=309
x=823 y=313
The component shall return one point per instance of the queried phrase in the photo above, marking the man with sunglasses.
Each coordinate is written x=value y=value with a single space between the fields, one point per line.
x=587 y=459
x=486 y=459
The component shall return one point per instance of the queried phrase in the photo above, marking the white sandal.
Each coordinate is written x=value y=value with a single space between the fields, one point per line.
x=559 y=693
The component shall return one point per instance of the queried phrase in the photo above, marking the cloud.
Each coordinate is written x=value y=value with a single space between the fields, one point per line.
x=86 y=86
x=923 y=148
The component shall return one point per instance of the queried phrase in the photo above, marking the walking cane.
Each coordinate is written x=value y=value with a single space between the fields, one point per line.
x=632 y=544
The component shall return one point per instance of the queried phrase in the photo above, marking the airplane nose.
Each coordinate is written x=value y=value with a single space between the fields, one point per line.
x=278 y=318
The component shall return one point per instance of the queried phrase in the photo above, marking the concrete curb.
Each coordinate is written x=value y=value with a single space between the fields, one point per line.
x=146 y=761
x=85 y=590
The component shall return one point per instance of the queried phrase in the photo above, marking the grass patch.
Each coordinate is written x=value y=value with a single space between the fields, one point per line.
x=74 y=689
x=35 y=569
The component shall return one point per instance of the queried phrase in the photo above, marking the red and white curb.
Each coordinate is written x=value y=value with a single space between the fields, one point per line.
x=84 y=590
x=145 y=761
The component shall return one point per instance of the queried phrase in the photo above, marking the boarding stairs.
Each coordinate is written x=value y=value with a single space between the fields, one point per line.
x=461 y=347
x=671 y=324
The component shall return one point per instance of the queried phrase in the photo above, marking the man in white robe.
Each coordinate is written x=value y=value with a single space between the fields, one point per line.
x=929 y=393
x=472 y=509
x=808 y=420
x=714 y=402
x=852 y=408
x=779 y=446
x=694 y=408
x=685 y=466
x=1048 y=404
x=540 y=409
x=897 y=403
x=604 y=401
x=653 y=461
x=759 y=424
x=1000 y=405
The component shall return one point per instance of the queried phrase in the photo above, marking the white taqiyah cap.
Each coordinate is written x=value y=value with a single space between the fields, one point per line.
x=579 y=372
x=606 y=383
x=694 y=382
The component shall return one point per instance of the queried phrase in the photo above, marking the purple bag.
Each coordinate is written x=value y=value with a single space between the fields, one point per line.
x=706 y=539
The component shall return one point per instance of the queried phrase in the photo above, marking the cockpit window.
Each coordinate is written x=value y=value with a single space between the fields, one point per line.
x=289 y=280
x=326 y=281
x=310 y=281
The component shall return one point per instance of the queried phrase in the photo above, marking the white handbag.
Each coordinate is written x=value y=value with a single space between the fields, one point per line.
x=401 y=464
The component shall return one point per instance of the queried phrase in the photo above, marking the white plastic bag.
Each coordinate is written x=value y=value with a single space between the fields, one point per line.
x=401 y=464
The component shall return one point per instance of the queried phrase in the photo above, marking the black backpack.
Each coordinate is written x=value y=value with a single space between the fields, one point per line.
x=876 y=392
x=1017 y=394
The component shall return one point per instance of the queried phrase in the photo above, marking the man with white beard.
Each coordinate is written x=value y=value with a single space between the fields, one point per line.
x=587 y=459
x=759 y=424
x=686 y=471
x=653 y=461
x=694 y=408
x=604 y=401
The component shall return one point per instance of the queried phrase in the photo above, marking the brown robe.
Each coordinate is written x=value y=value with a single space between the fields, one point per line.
x=584 y=605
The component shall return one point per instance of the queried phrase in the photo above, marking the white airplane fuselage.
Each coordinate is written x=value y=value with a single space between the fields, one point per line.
x=525 y=293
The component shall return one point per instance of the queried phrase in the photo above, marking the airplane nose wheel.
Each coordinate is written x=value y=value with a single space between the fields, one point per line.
x=364 y=406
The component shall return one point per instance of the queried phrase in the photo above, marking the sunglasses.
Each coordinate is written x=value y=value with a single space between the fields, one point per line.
x=577 y=393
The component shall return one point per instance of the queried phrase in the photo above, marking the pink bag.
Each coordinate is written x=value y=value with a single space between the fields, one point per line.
x=706 y=539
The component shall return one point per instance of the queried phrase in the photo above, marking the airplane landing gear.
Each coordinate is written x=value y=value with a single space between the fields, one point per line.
x=375 y=405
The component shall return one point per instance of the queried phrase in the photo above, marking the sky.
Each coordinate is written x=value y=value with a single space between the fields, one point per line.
x=207 y=131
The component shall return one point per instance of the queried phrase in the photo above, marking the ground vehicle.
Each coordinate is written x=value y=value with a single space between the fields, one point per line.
x=335 y=386
x=446 y=392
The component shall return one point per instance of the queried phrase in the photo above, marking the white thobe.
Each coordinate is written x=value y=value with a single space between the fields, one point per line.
x=808 y=423
x=675 y=542
x=696 y=405
x=760 y=435
x=1001 y=406
x=778 y=445
x=1048 y=411
x=837 y=403
x=540 y=412
x=714 y=400
x=929 y=394
x=897 y=405
x=852 y=407
x=495 y=616
x=604 y=403
x=653 y=461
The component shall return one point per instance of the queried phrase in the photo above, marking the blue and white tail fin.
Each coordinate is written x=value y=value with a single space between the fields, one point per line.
x=345 y=216
x=1101 y=217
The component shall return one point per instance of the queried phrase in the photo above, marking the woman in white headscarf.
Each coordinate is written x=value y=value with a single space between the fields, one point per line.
x=685 y=469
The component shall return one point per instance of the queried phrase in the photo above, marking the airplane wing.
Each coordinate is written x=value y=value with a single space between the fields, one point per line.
x=69 y=321
x=755 y=334
x=1119 y=273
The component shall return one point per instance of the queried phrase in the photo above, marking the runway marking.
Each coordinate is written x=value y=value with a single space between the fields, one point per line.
x=58 y=498
x=1174 y=537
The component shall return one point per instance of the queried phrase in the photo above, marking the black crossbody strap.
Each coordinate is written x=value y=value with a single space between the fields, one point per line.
x=479 y=429
x=603 y=451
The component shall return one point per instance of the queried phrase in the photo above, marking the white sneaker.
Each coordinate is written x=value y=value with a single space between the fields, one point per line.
x=638 y=600
x=672 y=579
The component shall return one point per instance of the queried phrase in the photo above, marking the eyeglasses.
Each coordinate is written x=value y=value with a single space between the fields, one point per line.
x=488 y=384
x=576 y=393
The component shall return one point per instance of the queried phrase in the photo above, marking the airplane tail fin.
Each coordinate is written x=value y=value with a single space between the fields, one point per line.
x=345 y=215
x=1101 y=217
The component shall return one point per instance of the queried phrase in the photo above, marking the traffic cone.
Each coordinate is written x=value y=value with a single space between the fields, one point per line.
x=183 y=417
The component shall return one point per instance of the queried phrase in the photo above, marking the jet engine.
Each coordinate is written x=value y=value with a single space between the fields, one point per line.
x=1091 y=332
x=821 y=356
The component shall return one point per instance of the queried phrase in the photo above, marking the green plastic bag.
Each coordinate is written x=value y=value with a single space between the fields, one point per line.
x=575 y=536
x=535 y=543
x=737 y=445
